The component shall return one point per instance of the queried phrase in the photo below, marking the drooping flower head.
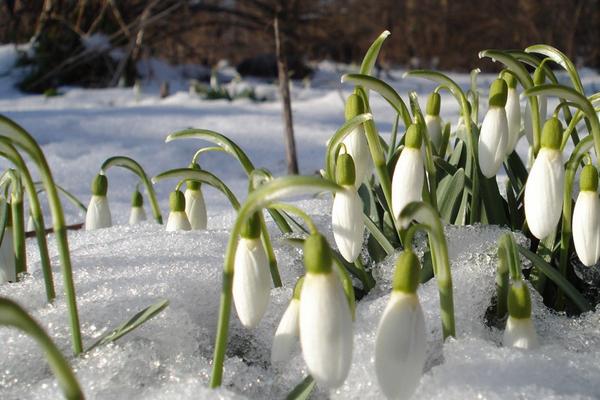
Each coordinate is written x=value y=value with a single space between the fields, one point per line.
x=195 y=207
x=356 y=141
x=98 y=212
x=325 y=317
x=409 y=173
x=545 y=184
x=348 y=226
x=288 y=329
x=433 y=120
x=137 y=213
x=400 y=341
x=251 y=277
x=513 y=113
x=519 y=331
x=493 y=138
x=586 y=217
x=177 y=220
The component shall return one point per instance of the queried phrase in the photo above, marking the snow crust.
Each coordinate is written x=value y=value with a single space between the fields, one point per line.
x=121 y=270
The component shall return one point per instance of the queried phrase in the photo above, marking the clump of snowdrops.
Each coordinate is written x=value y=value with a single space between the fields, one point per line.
x=430 y=173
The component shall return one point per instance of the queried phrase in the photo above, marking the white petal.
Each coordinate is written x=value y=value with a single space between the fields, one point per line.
x=493 y=140
x=348 y=226
x=513 y=116
x=586 y=227
x=195 y=209
x=251 y=282
x=137 y=215
x=407 y=182
x=434 y=129
x=286 y=336
x=544 y=193
x=520 y=333
x=325 y=329
x=357 y=146
x=178 y=221
x=98 y=213
x=400 y=346
x=8 y=271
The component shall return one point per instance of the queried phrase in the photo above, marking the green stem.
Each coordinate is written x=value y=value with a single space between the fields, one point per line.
x=136 y=168
x=8 y=151
x=11 y=314
x=21 y=138
x=18 y=219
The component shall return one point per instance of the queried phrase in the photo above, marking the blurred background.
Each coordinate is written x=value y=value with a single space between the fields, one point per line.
x=98 y=43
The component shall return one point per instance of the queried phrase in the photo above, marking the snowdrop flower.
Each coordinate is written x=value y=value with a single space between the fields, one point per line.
x=178 y=220
x=325 y=317
x=586 y=217
x=519 y=331
x=288 y=329
x=544 y=187
x=137 y=213
x=195 y=207
x=513 y=113
x=251 y=277
x=356 y=141
x=433 y=120
x=8 y=269
x=538 y=79
x=493 y=137
x=401 y=337
x=98 y=212
x=409 y=173
x=348 y=226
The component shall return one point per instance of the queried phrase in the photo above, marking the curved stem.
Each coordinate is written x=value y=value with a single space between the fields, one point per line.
x=136 y=168
x=19 y=137
x=196 y=156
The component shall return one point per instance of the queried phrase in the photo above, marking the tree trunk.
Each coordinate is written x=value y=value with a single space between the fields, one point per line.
x=284 y=90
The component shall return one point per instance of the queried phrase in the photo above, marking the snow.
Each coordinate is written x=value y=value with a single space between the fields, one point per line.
x=121 y=270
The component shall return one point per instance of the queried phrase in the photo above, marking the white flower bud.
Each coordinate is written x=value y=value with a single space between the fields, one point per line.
x=98 y=213
x=400 y=346
x=357 y=146
x=137 y=215
x=544 y=192
x=287 y=333
x=407 y=181
x=520 y=333
x=178 y=221
x=434 y=129
x=493 y=140
x=513 y=116
x=8 y=271
x=195 y=209
x=251 y=281
x=347 y=223
x=586 y=227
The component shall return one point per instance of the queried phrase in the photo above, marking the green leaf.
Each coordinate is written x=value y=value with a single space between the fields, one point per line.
x=378 y=235
x=133 y=323
x=449 y=194
x=495 y=205
x=370 y=57
x=133 y=166
x=385 y=90
x=511 y=63
x=516 y=171
x=557 y=278
x=302 y=390
x=70 y=196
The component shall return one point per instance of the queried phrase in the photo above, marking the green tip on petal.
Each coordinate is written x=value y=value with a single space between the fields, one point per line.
x=539 y=76
x=100 y=185
x=413 y=138
x=345 y=170
x=193 y=185
x=251 y=228
x=137 y=200
x=498 y=93
x=511 y=81
x=552 y=134
x=433 y=104
x=177 y=201
x=298 y=288
x=406 y=275
x=354 y=106
x=519 y=301
x=588 y=181
x=317 y=254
